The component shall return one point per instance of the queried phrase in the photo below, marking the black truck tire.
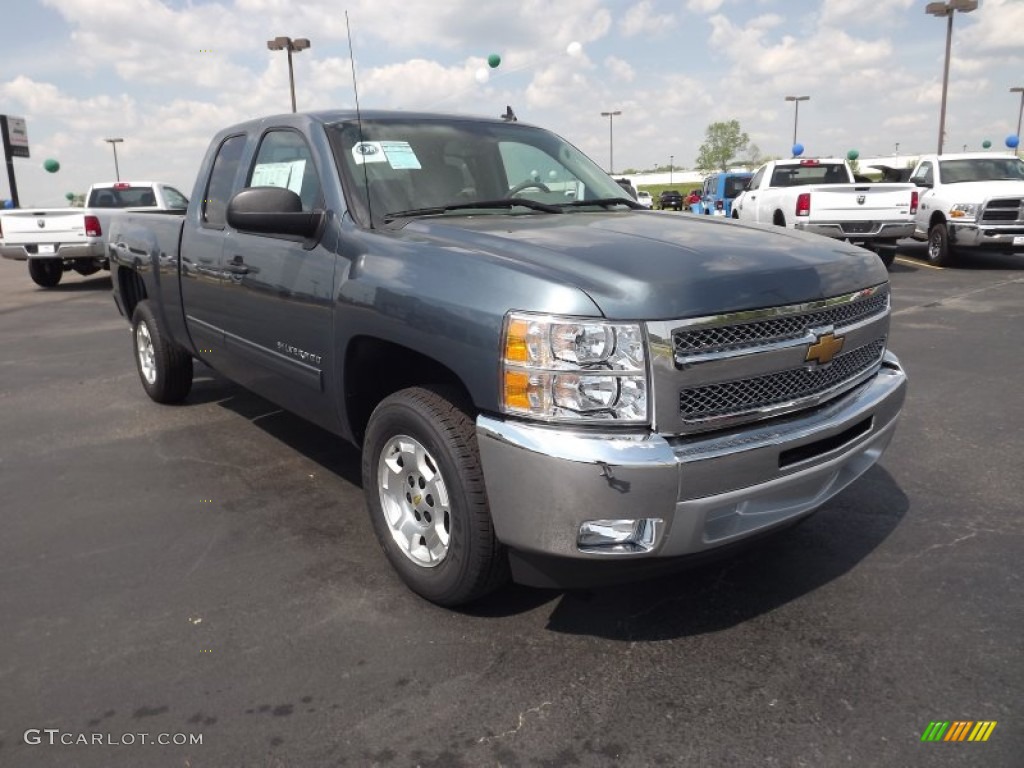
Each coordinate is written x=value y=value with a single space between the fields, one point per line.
x=164 y=367
x=939 y=251
x=426 y=498
x=45 y=273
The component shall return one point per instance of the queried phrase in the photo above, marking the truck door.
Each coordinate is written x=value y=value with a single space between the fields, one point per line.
x=278 y=298
x=202 y=281
x=751 y=203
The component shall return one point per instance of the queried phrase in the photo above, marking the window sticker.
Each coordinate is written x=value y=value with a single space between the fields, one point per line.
x=285 y=175
x=368 y=152
x=400 y=155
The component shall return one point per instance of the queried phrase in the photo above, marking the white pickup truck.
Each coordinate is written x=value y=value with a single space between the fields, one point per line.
x=55 y=240
x=969 y=201
x=821 y=196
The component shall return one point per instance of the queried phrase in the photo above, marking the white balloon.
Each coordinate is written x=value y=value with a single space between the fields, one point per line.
x=482 y=75
x=574 y=48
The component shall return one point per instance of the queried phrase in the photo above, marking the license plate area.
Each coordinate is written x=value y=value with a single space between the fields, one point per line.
x=47 y=248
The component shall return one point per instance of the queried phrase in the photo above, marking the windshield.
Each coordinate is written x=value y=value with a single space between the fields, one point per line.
x=408 y=164
x=981 y=169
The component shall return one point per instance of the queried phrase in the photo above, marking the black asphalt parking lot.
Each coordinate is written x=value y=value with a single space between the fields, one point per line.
x=209 y=569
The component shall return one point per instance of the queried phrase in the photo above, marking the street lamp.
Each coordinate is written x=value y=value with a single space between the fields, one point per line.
x=113 y=145
x=611 y=139
x=287 y=44
x=1020 y=112
x=947 y=10
x=671 y=159
x=796 y=112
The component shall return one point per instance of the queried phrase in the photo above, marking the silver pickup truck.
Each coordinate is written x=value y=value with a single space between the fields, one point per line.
x=56 y=240
x=546 y=379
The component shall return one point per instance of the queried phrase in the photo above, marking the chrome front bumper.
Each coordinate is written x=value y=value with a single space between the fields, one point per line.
x=980 y=235
x=892 y=230
x=543 y=483
x=26 y=251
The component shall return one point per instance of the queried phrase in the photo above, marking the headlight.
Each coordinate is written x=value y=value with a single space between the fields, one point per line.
x=964 y=211
x=564 y=369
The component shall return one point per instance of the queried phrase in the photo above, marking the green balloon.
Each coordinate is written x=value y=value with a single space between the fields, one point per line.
x=493 y=60
x=70 y=196
x=852 y=155
x=986 y=144
x=51 y=165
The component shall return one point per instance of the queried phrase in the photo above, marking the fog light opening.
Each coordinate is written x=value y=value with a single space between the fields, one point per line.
x=619 y=537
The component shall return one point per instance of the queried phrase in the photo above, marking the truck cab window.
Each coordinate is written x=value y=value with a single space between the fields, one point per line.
x=175 y=199
x=222 y=180
x=285 y=160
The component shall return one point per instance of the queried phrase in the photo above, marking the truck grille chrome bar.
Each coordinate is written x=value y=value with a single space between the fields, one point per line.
x=788 y=323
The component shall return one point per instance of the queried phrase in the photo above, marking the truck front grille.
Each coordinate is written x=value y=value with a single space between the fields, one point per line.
x=721 y=371
x=782 y=328
x=743 y=396
x=1003 y=209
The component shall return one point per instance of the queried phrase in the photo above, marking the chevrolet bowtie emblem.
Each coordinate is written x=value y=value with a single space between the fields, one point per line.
x=825 y=348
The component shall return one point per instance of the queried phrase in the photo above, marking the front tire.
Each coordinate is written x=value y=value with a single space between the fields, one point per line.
x=425 y=494
x=939 y=251
x=45 y=273
x=165 y=368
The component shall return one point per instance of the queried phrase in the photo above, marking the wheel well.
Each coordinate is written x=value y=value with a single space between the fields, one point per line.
x=375 y=369
x=779 y=219
x=132 y=289
x=937 y=218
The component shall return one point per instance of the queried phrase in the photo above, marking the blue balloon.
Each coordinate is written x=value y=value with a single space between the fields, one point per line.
x=1012 y=141
x=798 y=149
x=8 y=204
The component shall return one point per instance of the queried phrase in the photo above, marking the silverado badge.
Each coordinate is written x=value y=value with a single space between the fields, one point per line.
x=826 y=347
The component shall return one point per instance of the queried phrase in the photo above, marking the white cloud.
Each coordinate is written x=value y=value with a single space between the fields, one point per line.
x=704 y=6
x=620 y=69
x=848 y=12
x=641 y=19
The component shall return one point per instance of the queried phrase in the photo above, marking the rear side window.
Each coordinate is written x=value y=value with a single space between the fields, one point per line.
x=284 y=160
x=174 y=198
x=222 y=179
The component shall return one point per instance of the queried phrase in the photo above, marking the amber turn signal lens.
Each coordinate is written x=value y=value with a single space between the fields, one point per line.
x=517 y=390
x=515 y=342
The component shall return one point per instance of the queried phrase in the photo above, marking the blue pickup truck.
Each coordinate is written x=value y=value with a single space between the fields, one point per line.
x=720 y=189
x=546 y=381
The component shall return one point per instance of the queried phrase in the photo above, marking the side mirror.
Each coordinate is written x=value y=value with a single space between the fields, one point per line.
x=272 y=211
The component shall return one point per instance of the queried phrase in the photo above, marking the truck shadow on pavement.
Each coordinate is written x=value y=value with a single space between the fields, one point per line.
x=92 y=283
x=697 y=600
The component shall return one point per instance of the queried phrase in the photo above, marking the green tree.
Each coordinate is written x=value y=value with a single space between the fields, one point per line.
x=722 y=143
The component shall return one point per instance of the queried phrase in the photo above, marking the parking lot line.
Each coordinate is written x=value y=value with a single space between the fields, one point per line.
x=916 y=263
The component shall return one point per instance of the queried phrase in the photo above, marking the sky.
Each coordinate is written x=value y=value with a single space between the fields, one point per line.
x=165 y=75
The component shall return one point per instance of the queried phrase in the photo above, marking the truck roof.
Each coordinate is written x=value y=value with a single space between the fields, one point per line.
x=328 y=117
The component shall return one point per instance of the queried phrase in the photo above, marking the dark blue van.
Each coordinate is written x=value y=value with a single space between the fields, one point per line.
x=720 y=189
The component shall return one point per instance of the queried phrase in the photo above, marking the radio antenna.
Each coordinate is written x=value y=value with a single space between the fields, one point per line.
x=359 y=115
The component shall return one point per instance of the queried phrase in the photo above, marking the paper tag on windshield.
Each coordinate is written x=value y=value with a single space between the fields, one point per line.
x=368 y=152
x=400 y=155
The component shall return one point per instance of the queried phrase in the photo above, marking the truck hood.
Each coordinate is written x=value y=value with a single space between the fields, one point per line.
x=658 y=266
x=980 y=191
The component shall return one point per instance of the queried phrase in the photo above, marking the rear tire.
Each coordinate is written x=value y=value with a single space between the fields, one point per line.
x=165 y=368
x=426 y=497
x=939 y=251
x=45 y=273
x=779 y=220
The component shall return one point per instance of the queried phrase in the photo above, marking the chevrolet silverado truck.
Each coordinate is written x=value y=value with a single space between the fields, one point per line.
x=56 y=240
x=969 y=202
x=821 y=196
x=566 y=389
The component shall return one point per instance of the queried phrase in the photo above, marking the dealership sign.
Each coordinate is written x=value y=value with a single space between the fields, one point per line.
x=15 y=137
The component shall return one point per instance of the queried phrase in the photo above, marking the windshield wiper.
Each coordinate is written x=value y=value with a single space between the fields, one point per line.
x=604 y=202
x=506 y=202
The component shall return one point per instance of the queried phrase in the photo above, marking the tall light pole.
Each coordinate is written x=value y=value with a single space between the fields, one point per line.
x=611 y=139
x=796 y=112
x=671 y=160
x=1020 y=112
x=287 y=44
x=897 y=148
x=113 y=145
x=947 y=10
